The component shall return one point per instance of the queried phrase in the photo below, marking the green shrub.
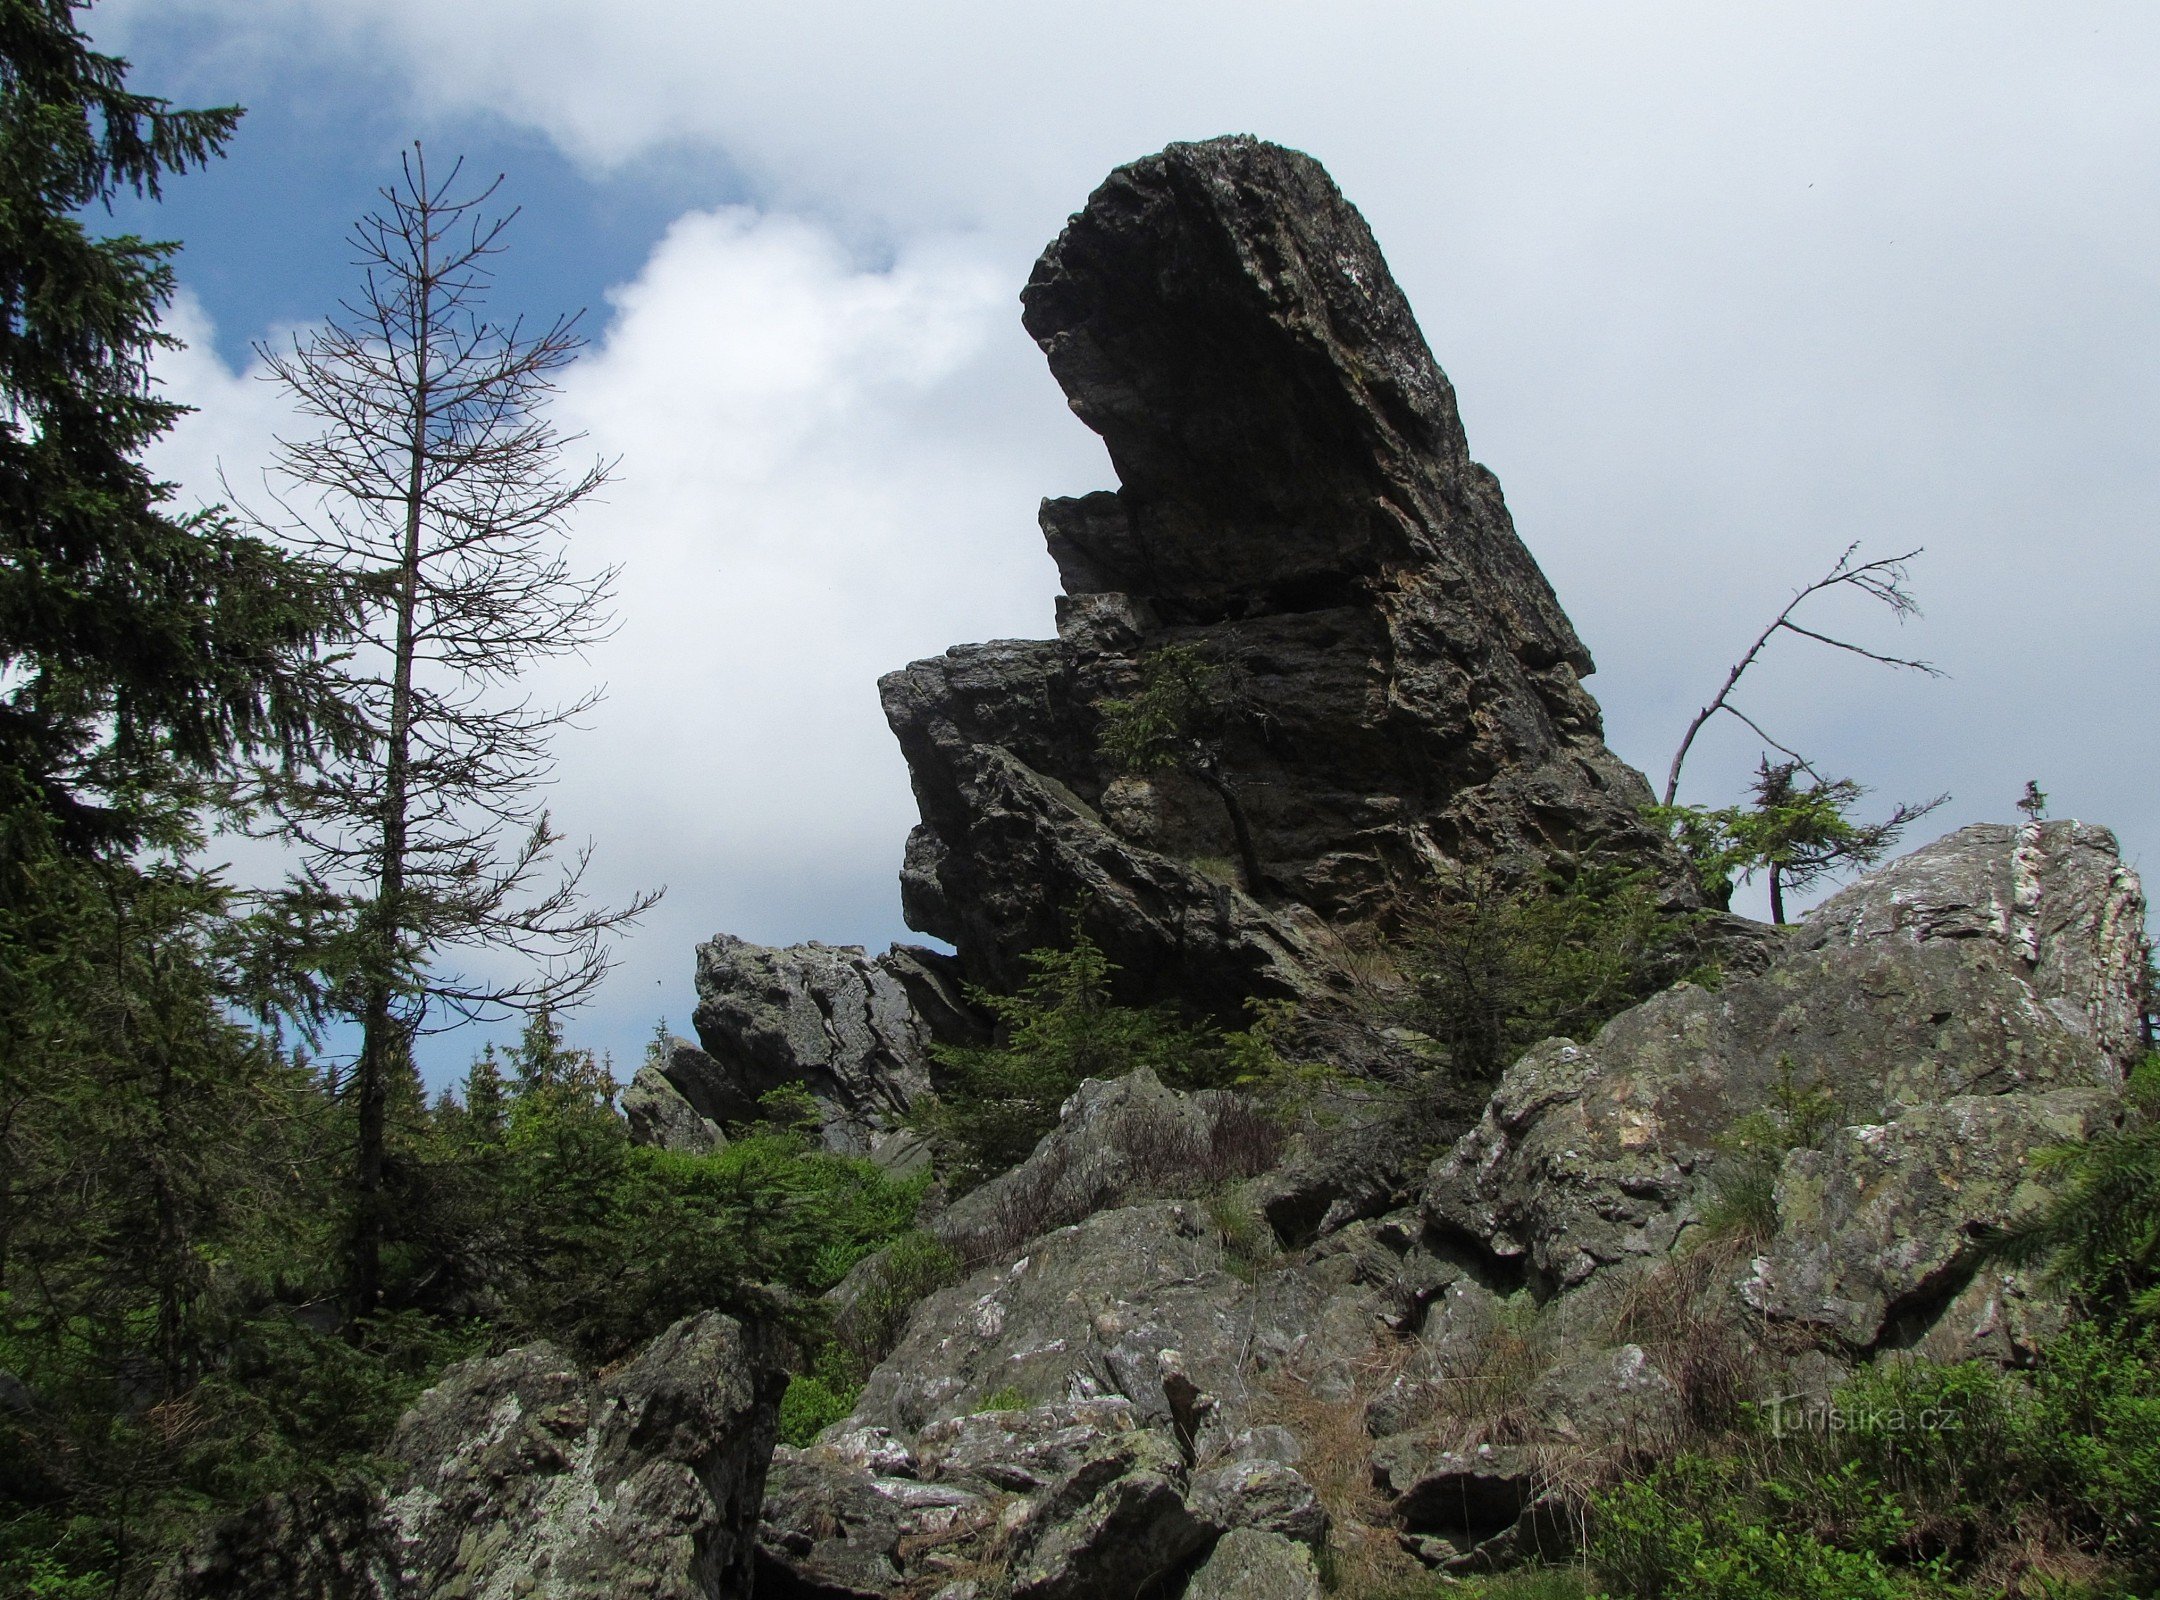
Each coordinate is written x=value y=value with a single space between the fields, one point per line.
x=811 y=1405
x=994 y=1102
x=2102 y=1229
x=1006 y=1397
x=913 y=1266
x=1499 y=965
x=1751 y=1153
x=1698 y=1528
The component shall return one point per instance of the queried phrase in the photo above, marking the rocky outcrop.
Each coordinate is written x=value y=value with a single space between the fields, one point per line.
x=852 y=1031
x=1399 y=686
x=1560 y=1298
x=520 y=1474
x=1918 y=1011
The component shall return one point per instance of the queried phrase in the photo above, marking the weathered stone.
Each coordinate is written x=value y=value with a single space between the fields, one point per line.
x=1614 y=1398
x=1297 y=499
x=1590 y=1155
x=1116 y=1525
x=519 y=1474
x=1258 y=1493
x=1117 y=1141
x=659 y=1116
x=1119 y=1305
x=824 y=1018
x=835 y=1529
x=1251 y=1564
x=1879 y=1231
x=327 y=1544
x=2056 y=895
x=1024 y=1450
x=1468 y=1497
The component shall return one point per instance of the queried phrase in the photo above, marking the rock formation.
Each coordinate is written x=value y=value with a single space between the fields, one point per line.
x=1298 y=504
x=520 y=1474
x=1560 y=1293
x=1187 y=1349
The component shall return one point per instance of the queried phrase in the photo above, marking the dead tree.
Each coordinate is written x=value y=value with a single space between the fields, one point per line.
x=1884 y=580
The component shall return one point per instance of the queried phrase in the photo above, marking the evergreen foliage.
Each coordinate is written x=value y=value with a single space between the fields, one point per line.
x=1798 y=833
x=994 y=1102
x=1497 y=967
x=1177 y=720
x=172 y=1370
x=2101 y=1231
x=138 y=648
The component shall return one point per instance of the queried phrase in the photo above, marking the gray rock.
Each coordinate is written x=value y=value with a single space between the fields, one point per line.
x=1133 y=1303
x=1880 y=1231
x=1487 y=1507
x=1296 y=496
x=1116 y=1525
x=1607 y=1399
x=518 y=1473
x=1259 y=1493
x=1023 y=1451
x=326 y=1544
x=659 y=1116
x=1589 y=1155
x=828 y=1019
x=2056 y=895
x=832 y=1528
x=1117 y=1141
x=1250 y=1564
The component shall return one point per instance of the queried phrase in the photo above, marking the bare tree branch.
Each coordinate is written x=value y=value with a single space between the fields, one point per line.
x=1884 y=579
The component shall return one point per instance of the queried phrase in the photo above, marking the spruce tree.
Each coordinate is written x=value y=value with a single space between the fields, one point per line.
x=137 y=646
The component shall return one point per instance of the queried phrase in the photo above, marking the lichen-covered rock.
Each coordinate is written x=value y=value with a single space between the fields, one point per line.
x=1087 y=1312
x=1880 y=1229
x=1297 y=498
x=1117 y=1524
x=1473 y=1499
x=660 y=1116
x=850 y=1030
x=2057 y=895
x=1902 y=994
x=1022 y=1451
x=519 y=1474
x=1256 y=1492
x=1117 y=1142
x=834 y=1528
x=1251 y=1564
x=328 y=1544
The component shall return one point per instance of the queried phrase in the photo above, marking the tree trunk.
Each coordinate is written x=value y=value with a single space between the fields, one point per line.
x=1249 y=873
x=1777 y=894
x=382 y=1042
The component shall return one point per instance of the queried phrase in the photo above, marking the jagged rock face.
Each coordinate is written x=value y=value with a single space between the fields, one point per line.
x=1549 y=1306
x=520 y=1474
x=1297 y=499
x=852 y=1031
x=1983 y=984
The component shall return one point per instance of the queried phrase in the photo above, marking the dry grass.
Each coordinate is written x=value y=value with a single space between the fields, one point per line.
x=1682 y=1314
x=1363 y=1560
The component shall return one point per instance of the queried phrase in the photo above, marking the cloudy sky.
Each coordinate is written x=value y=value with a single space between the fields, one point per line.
x=1722 y=289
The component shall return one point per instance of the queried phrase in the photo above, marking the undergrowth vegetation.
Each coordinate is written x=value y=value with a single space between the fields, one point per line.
x=994 y=1102
x=1497 y=965
x=522 y=1211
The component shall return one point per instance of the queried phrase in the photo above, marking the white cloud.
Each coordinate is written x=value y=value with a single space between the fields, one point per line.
x=827 y=470
x=1722 y=288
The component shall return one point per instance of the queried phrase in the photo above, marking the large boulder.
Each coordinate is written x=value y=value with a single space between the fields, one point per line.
x=1954 y=997
x=521 y=1474
x=852 y=1031
x=1298 y=503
